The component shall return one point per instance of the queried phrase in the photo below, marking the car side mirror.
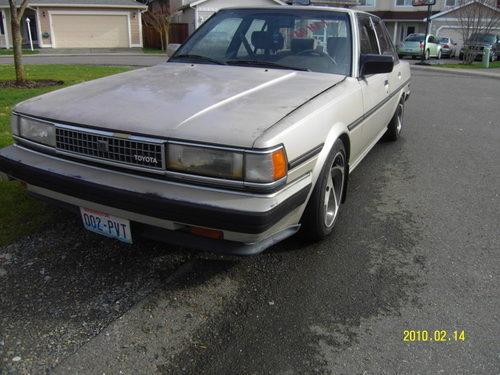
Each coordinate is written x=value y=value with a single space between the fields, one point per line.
x=375 y=64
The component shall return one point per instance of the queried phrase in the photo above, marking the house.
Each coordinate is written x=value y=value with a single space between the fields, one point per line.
x=77 y=23
x=447 y=23
x=195 y=12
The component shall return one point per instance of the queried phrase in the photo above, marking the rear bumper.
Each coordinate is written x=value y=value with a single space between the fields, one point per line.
x=249 y=222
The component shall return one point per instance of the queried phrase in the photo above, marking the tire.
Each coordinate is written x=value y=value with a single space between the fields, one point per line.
x=413 y=57
x=396 y=125
x=427 y=55
x=439 y=55
x=323 y=208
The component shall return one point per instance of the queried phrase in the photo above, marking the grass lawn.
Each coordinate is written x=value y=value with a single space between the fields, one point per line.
x=475 y=65
x=20 y=214
x=9 y=52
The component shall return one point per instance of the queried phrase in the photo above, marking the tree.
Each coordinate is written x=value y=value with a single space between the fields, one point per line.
x=157 y=17
x=474 y=18
x=16 y=15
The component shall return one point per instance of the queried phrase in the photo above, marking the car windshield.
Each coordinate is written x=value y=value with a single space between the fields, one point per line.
x=485 y=38
x=443 y=40
x=415 y=38
x=316 y=41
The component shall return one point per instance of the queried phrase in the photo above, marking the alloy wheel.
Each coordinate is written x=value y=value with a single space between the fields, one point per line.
x=334 y=189
x=399 y=117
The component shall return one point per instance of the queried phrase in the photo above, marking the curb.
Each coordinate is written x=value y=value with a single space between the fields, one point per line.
x=463 y=72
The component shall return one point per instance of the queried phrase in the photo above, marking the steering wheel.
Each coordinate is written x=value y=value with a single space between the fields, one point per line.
x=312 y=52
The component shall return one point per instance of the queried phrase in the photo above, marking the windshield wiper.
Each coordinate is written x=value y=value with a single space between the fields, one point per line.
x=198 y=58
x=267 y=64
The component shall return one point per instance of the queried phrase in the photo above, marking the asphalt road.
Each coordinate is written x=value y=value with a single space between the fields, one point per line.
x=416 y=247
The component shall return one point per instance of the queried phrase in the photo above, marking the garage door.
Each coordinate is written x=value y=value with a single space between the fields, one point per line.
x=90 y=31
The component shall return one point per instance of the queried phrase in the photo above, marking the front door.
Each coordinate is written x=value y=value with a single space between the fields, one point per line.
x=375 y=87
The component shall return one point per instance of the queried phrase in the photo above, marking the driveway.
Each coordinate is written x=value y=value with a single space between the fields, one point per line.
x=97 y=59
x=416 y=248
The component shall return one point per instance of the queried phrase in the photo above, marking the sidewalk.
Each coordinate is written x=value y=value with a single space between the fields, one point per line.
x=487 y=73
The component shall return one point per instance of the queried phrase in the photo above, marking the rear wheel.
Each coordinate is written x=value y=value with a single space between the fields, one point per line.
x=440 y=54
x=396 y=125
x=324 y=205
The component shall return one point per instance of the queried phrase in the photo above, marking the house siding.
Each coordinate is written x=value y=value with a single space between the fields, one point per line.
x=44 y=22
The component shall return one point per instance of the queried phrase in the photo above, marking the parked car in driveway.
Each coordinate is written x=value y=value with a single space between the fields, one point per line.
x=448 y=47
x=233 y=144
x=478 y=42
x=413 y=46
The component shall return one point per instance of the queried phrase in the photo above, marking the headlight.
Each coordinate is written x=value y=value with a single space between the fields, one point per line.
x=266 y=167
x=205 y=161
x=37 y=131
x=14 y=124
x=253 y=167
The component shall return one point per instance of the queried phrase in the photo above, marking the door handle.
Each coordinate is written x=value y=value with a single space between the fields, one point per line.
x=386 y=85
x=399 y=75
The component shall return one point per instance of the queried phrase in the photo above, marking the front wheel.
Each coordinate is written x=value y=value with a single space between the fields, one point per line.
x=324 y=205
x=427 y=54
x=396 y=125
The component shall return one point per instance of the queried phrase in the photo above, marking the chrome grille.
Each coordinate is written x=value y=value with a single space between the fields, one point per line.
x=126 y=151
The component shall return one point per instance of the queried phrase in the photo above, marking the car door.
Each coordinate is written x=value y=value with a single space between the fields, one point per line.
x=395 y=78
x=375 y=87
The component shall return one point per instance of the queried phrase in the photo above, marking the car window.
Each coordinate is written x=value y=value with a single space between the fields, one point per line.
x=316 y=41
x=386 y=46
x=368 y=39
x=415 y=38
x=443 y=40
x=215 y=43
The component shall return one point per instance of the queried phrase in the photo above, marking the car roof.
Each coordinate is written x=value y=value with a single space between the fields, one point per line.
x=298 y=8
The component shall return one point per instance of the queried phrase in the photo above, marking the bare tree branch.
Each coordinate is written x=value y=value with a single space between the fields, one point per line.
x=157 y=17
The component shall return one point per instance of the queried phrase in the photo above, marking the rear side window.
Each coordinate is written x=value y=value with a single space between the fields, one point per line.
x=368 y=39
x=386 y=46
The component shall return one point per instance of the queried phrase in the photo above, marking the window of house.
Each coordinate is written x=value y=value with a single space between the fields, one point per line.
x=367 y=35
x=451 y=3
x=2 y=31
x=403 y=3
x=366 y=3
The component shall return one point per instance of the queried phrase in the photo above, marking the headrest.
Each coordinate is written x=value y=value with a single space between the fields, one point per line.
x=299 y=45
x=336 y=45
x=268 y=40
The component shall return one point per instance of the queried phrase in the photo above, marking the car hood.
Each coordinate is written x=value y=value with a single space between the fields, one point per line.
x=204 y=103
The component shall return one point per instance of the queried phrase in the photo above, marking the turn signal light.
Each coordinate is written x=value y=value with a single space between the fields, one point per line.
x=279 y=164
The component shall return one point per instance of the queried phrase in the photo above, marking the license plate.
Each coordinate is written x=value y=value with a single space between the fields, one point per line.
x=409 y=50
x=106 y=225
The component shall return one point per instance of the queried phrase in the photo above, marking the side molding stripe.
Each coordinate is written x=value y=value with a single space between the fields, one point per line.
x=357 y=122
x=304 y=157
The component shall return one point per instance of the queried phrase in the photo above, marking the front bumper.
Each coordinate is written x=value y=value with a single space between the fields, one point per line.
x=248 y=221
